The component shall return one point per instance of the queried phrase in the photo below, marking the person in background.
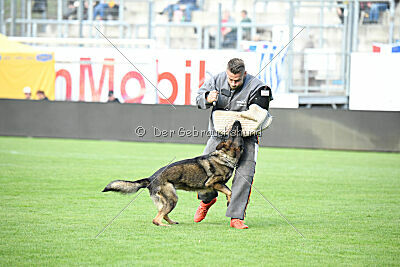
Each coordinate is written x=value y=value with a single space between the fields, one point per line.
x=246 y=30
x=27 y=92
x=364 y=9
x=111 y=97
x=101 y=8
x=187 y=6
x=310 y=43
x=340 y=10
x=39 y=6
x=41 y=95
x=375 y=10
x=72 y=10
x=229 y=37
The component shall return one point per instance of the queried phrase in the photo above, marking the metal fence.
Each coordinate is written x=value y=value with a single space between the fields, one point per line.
x=313 y=84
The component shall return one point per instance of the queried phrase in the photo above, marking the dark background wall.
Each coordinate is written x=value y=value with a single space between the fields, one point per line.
x=302 y=128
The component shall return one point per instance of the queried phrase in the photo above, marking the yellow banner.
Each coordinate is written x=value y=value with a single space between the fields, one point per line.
x=22 y=66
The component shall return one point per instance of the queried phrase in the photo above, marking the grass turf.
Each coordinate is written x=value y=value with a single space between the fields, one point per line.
x=345 y=203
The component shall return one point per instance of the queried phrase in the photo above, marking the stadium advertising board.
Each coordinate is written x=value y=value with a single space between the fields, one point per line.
x=87 y=74
x=23 y=67
x=375 y=82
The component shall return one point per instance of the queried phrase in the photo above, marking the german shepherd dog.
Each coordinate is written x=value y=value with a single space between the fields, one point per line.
x=203 y=173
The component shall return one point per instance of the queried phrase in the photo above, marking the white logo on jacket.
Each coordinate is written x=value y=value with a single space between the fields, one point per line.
x=241 y=103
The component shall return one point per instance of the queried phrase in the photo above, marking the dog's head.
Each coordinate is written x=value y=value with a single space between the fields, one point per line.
x=233 y=146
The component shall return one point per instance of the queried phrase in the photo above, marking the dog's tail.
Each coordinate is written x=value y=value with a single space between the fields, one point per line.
x=126 y=187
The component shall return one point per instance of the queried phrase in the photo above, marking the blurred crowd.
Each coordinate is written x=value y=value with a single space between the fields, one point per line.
x=40 y=95
x=102 y=10
x=370 y=12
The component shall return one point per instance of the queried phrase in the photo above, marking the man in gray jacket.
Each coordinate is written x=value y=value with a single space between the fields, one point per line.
x=232 y=90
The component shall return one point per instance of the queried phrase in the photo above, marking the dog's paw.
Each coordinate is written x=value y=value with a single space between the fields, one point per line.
x=160 y=223
x=171 y=222
x=228 y=200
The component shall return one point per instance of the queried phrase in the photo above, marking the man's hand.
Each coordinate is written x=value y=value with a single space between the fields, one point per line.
x=212 y=96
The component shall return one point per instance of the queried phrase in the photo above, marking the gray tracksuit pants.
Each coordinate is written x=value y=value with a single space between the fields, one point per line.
x=242 y=181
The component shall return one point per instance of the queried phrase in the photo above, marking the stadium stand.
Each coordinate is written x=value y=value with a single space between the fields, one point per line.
x=136 y=15
x=324 y=30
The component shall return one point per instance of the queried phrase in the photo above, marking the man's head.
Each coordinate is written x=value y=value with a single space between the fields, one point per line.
x=111 y=3
x=243 y=13
x=111 y=96
x=40 y=95
x=27 y=92
x=236 y=73
x=226 y=15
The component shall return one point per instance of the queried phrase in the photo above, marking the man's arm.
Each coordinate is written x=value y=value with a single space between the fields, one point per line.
x=261 y=96
x=202 y=94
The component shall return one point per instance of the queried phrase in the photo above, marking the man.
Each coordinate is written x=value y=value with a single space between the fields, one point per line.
x=111 y=97
x=41 y=95
x=187 y=5
x=27 y=92
x=101 y=9
x=375 y=10
x=246 y=30
x=229 y=34
x=232 y=90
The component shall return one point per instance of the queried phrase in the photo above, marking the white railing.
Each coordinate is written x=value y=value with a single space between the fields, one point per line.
x=51 y=41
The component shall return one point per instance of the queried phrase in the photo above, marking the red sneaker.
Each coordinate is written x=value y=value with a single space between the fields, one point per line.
x=238 y=224
x=202 y=210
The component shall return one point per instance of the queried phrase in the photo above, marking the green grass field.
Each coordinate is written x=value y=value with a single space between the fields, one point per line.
x=347 y=205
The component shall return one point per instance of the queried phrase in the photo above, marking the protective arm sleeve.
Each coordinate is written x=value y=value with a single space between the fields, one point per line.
x=260 y=99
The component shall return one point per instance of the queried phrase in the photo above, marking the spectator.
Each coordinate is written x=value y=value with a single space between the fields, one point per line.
x=27 y=92
x=187 y=6
x=246 y=30
x=39 y=6
x=229 y=37
x=364 y=6
x=311 y=74
x=111 y=97
x=340 y=12
x=375 y=10
x=72 y=11
x=112 y=12
x=101 y=9
x=40 y=95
